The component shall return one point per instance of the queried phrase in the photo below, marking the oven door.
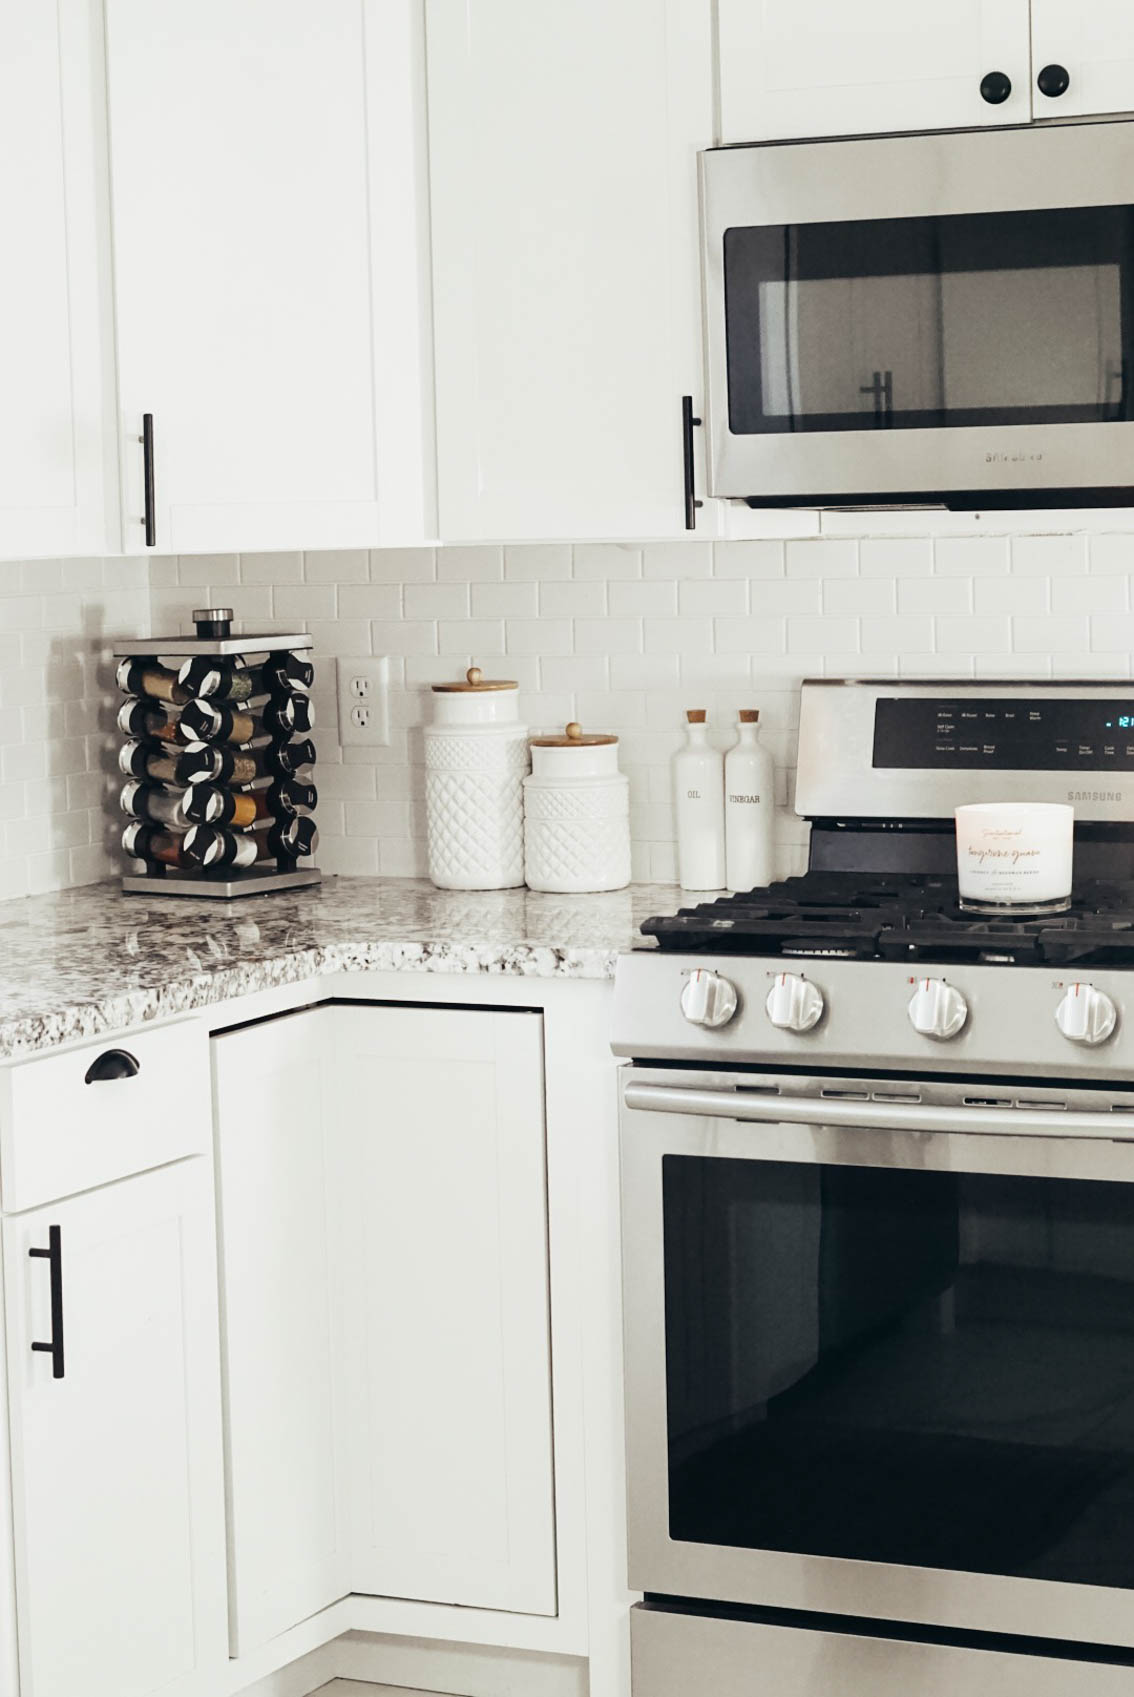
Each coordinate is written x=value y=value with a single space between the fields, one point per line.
x=880 y=1356
x=934 y=318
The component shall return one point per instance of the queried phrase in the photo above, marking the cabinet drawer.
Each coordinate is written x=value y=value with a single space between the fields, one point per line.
x=67 y=1123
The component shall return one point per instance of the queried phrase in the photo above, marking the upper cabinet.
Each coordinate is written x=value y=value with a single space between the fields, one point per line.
x=271 y=317
x=55 y=372
x=563 y=144
x=822 y=68
x=1082 y=57
x=791 y=68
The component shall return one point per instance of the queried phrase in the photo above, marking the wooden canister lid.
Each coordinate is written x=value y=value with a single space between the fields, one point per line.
x=696 y=715
x=573 y=738
x=749 y=715
x=474 y=679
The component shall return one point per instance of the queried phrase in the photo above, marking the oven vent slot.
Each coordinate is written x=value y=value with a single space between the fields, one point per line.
x=757 y=1090
x=896 y=1096
x=847 y=1095
x=1041 y=1107
x=987 y=1102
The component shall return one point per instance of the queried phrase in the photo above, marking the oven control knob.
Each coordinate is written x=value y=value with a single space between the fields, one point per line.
x=708 y=999
x=794 y=1003
x=938 y=1009
x=1086 y=1015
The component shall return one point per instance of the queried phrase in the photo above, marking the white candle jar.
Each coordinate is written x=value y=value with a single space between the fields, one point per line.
x=576 y=815
x=1015 y=857
x=476 y=755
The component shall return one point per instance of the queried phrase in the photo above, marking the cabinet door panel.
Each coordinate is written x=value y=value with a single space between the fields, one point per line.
x=1094 y=41
x=117 y=1482
x=820 y=67
x=283 y=1335
x=564 y=216
x=242 y=270
x=52 y=420
x=452 y=1472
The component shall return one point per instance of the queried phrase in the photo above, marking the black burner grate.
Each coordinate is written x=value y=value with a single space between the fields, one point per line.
x=904 y=918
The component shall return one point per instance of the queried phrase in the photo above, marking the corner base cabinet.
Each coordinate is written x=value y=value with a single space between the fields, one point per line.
x=116 y=1455
x=385 y=1311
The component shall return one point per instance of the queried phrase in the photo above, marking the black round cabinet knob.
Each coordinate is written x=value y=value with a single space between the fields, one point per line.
x=1053 y=81
x=995 y=88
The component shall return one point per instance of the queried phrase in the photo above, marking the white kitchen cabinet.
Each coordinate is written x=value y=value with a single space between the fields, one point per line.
x=792 y=68
x=451 y=1474
x=385 y=1312
x=1093 y=42
x=563 y=147
x=116 y=1464
x=271 y=313
x=55 y=422
x=279 y=1159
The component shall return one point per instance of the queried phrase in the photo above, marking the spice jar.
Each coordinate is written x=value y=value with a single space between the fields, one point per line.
x=476 y=755
x=576 y=814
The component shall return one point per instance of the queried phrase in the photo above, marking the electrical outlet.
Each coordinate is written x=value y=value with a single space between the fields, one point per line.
x=364 y=701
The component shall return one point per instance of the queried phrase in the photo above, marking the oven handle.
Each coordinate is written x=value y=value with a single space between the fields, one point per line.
x=878 y=1116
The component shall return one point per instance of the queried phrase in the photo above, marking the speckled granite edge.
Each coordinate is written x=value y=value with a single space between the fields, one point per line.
x=90 y=963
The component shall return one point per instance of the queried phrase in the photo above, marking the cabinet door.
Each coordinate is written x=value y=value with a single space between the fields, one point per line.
x=243 y=206
x=277 y=1159
x=1093 y=42
x=451 y=1479
x=821 y=67
x=116 y=1465
x=563 y=146
x=54 y=307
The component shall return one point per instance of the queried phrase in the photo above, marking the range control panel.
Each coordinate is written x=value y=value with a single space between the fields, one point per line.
x=1003 y=734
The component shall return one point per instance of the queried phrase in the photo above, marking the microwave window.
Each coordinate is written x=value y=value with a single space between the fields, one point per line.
x=925 y=323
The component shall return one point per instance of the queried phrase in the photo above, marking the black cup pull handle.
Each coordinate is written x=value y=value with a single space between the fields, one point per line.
x=1053 y=81
x=995 y=88
x=53 y=1254
x=148 y=477
x=112 y=1063
x=687 y=426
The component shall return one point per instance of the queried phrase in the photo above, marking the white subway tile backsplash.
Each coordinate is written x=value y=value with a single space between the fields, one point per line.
x=1049 y=556
x=1009 y=594
x=816 y=557
x=625 y=636
x=571 y=600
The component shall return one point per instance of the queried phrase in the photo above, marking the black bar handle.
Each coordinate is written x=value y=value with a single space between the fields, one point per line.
x=112 y=1063
x=148 y=475
x=687 y=425
x=54 y=1254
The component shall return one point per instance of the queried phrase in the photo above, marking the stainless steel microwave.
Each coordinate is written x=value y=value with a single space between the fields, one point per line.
x=941 y=319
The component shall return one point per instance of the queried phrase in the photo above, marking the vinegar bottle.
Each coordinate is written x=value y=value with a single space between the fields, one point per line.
x=750 y=808
x=698 y=802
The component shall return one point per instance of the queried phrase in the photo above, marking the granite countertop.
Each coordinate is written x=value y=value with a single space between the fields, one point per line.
x=88 y=962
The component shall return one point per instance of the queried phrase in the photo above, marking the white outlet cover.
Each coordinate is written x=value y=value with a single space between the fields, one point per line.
x=364 y=701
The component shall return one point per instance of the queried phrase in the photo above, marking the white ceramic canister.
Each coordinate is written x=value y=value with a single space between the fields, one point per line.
x=576 y=814
x=476 y=755
x=1015 y=856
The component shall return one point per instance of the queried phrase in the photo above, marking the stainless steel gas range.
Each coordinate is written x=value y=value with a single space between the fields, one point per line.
x=878 y=1219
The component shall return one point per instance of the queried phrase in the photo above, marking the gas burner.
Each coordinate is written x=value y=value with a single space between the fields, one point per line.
x=915 y=918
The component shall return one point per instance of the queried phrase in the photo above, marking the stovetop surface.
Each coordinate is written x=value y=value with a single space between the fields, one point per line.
x=901 y=917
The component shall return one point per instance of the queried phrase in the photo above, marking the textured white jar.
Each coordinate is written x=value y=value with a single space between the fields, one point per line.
x=576 y=815
x=476 y=756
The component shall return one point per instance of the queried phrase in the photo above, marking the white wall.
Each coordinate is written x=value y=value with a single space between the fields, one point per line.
x=621 y=637
x=58 y=619
x=625 y=637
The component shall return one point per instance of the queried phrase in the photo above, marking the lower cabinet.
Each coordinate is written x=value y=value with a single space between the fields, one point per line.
x=116 y=1455
x=385 y=1311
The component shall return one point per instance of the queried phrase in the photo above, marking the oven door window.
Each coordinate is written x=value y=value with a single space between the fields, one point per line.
x=923 y=323
x=930 y=1369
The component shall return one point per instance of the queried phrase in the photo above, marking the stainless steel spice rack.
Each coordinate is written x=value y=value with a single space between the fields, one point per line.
x=293 y=833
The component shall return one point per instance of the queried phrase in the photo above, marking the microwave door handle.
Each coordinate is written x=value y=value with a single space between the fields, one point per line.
x=878 y=1116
